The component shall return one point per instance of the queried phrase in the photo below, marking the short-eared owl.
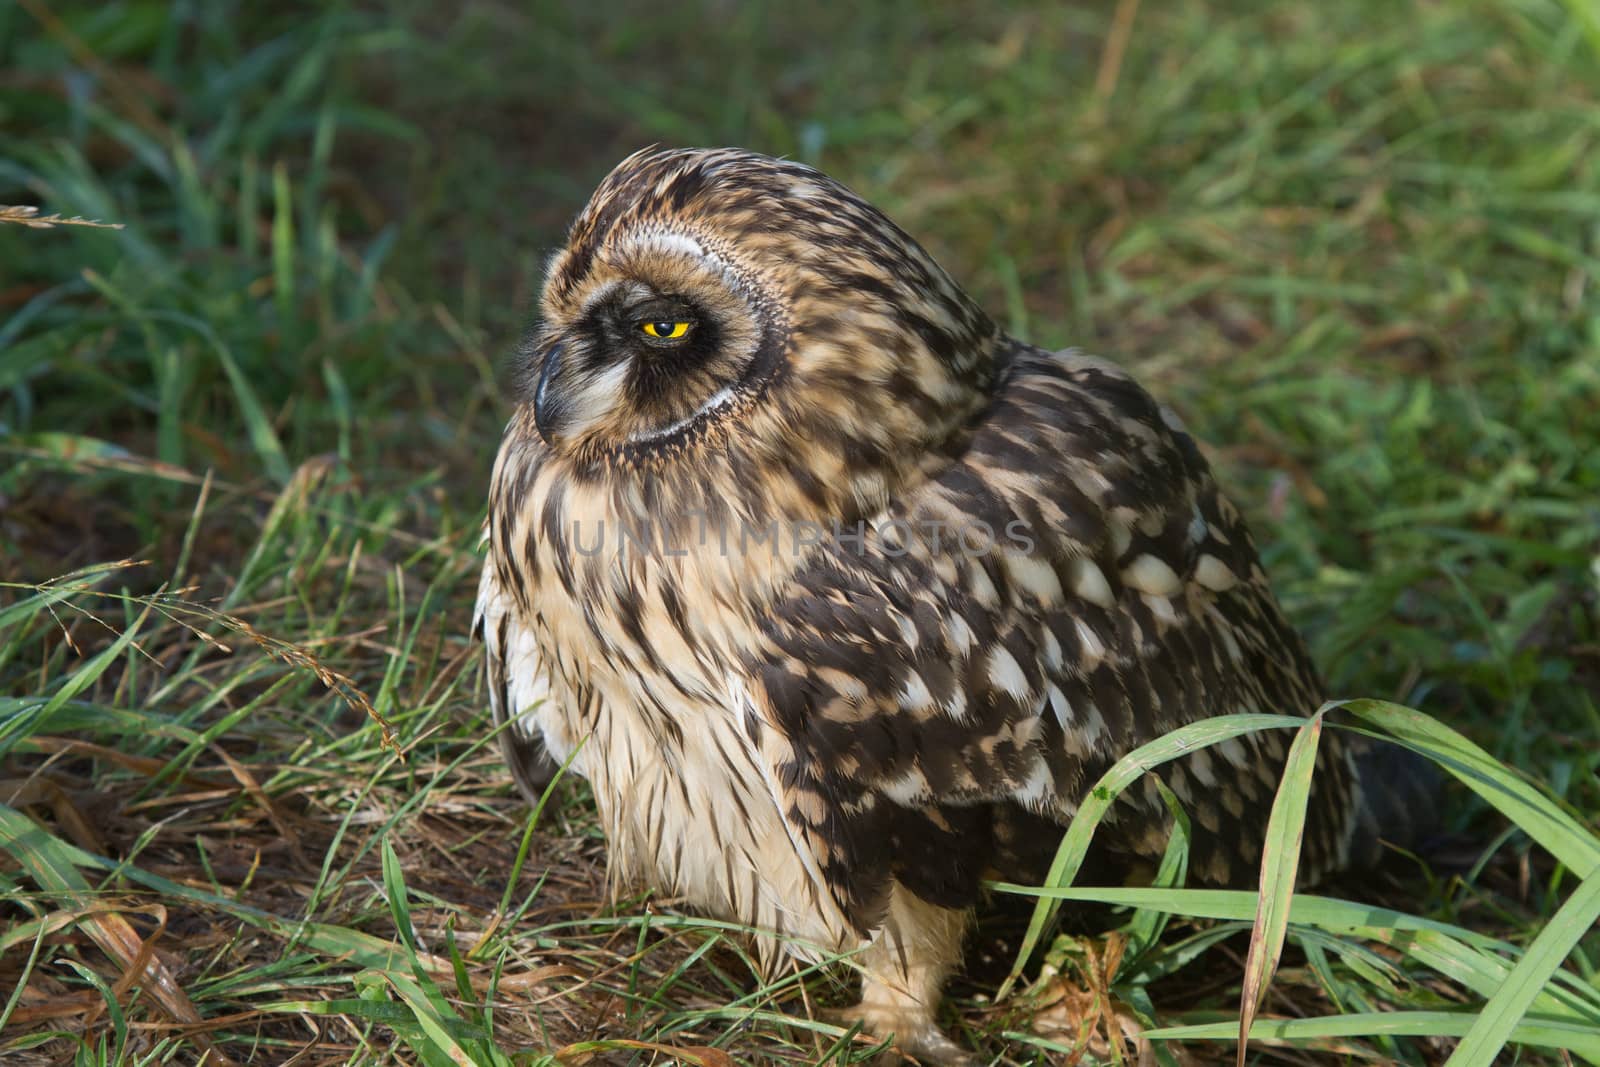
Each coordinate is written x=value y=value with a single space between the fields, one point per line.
x=847 y=596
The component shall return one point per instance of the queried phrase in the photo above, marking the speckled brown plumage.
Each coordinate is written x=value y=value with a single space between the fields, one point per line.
x=746 y=572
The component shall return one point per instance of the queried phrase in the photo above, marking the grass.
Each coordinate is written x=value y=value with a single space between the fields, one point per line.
x=250 y=804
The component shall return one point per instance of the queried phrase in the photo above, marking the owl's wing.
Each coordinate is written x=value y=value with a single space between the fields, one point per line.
x=1070 y=586
x=518 y=684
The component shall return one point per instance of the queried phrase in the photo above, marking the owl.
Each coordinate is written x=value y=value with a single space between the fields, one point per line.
x=840 y=598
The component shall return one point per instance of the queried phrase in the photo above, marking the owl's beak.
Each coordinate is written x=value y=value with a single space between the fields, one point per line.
x=548 y=406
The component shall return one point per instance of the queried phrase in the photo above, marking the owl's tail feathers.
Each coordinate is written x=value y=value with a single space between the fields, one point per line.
x=1400 y=804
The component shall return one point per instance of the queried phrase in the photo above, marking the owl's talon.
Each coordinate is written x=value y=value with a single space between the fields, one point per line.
x=916 y=1037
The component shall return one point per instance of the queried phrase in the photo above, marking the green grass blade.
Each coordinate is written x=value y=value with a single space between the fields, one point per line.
x=1468 y=957
x=283 y=245
x=1544 y=1033
x=1514 y=798
x=1329 y=913
x=437 y=1043
x=1145 y=928
x=90 y=672
x=1280 y=862
x=363 y=949
x=1097 y=802
x=119 y=1021
x=1497 y=1023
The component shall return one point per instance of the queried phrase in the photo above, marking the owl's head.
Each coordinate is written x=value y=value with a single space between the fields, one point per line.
x=716 y=298
x=698 y=287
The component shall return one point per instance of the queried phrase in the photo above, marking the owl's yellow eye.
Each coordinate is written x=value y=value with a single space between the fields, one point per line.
x=665 y=331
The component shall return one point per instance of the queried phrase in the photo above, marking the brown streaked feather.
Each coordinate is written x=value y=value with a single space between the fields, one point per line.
x=976 y=682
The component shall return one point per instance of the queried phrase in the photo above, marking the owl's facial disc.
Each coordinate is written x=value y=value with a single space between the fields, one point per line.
x=661 y=348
